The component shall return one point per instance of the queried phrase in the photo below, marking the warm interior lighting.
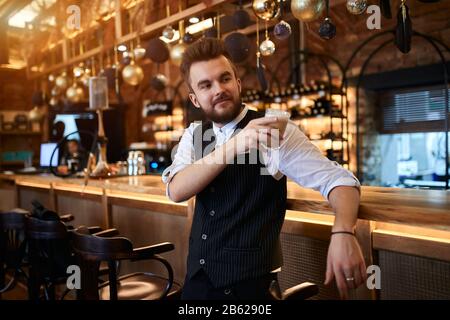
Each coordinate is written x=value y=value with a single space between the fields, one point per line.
x=122 y=48
x=194 y=20
x=192 y=29
x=28 y=13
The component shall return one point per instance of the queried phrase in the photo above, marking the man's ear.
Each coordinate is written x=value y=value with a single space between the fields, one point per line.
x=239 y=84
x=194 y=100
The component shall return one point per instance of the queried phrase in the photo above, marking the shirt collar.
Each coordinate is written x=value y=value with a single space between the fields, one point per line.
x=230 y=126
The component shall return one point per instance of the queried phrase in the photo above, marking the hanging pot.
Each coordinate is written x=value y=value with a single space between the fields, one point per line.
x=211 y=32
x=139 y=53
x=188 y=38
x=356 y=6
x=159 y=82
x=241 y=19
x=176 y=53
x=282 y=30
x=237 y=46
x=327 y=29
x=267 y=47
x=403 y=30
x=78 y=71
x=168 y=33
x=132 y=74
x=307 y=10
x=61 y=81
x=157 y=51
x=36 y=114
x=266 y=9
x=75 y=93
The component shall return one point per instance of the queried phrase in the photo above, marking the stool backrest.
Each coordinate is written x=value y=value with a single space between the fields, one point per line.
x=12 y=237
x=90 y=251
x=49 y=246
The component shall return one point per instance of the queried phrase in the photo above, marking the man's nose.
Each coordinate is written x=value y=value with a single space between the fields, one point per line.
x=218 y=88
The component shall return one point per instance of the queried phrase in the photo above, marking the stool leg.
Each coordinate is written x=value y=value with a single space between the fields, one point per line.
x=33 y=285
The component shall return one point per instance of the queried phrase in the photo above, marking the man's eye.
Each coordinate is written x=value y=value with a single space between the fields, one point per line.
x=205 y=86
x=226 y=79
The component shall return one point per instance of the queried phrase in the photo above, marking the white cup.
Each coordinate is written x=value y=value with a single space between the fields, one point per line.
x=280 y=126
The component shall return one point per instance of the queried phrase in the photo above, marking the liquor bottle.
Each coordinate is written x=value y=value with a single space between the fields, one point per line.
x=323 y=106
x=295 y=94
x=277 y=97
x=289 y=91
x=301 y=89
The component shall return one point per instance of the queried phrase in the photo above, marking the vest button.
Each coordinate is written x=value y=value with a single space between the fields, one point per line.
x=204 y=236
x=212 y=213
x=202 y=261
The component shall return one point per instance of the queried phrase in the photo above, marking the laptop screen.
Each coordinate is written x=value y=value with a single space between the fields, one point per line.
x=46 y=153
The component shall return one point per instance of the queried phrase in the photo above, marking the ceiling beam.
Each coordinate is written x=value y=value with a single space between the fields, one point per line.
x=9 y=8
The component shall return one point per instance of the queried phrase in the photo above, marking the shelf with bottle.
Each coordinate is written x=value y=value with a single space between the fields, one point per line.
x=328 y=136
x=292 y=92
x=321 y=107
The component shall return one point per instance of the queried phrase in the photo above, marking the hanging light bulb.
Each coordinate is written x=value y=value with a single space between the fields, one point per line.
x=267 y=47
x=168 y=31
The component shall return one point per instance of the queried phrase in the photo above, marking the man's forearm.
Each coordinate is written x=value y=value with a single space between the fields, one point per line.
x=194 y=178
x=345 y=203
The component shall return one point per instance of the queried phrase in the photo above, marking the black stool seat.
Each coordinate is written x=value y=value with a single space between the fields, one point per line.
x=107 y=246
x=139 y=286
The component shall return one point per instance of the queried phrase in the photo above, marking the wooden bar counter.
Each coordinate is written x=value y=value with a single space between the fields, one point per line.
x=406 y=232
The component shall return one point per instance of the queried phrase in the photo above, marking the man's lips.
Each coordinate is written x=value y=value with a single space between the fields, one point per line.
x=220 y=101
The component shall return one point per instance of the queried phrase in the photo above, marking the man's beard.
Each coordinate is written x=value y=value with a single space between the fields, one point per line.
x=224 y=118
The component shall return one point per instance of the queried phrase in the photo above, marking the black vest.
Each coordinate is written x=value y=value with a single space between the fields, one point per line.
x=237 y=220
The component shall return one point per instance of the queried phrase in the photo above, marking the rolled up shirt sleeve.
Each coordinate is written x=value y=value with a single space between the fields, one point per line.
x=184 y=156
x=301 y=161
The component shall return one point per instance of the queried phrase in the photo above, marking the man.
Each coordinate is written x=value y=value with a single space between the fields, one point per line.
x=74 y=159
x=234 y=246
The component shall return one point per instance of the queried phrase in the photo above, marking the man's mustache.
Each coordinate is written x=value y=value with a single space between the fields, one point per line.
x=222 y=97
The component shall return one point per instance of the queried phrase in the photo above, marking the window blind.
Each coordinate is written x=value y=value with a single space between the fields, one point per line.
x=413 y=110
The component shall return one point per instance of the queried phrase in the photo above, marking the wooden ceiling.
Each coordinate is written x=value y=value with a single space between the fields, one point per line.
x=353 y=28
x=10 y=7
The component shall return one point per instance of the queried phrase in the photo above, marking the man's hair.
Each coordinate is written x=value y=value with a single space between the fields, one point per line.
x=203 y=50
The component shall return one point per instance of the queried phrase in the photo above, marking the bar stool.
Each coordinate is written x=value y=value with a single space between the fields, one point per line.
x=301 y=291
x=50 y=253
x=107 y=246
x=12 y=247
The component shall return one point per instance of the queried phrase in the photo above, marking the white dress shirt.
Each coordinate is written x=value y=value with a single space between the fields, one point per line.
x=297 y=158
